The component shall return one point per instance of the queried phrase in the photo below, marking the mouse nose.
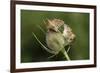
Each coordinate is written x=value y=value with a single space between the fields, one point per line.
x=72 y=37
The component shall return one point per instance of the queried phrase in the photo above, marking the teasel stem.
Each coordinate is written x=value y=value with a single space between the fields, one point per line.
x=65 y=54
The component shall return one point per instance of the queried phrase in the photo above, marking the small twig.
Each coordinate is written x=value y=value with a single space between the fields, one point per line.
x=65 y=54
x=52 y=56
x=68 y=49
x=41 y=29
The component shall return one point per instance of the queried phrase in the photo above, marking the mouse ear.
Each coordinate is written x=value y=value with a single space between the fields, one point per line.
x=46 y=23
x=67 y=28
x=50 y=23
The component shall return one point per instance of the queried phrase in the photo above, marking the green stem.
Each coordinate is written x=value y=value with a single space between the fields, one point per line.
x=65 y=54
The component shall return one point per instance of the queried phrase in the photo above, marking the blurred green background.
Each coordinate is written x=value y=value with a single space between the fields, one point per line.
x=31 y=50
